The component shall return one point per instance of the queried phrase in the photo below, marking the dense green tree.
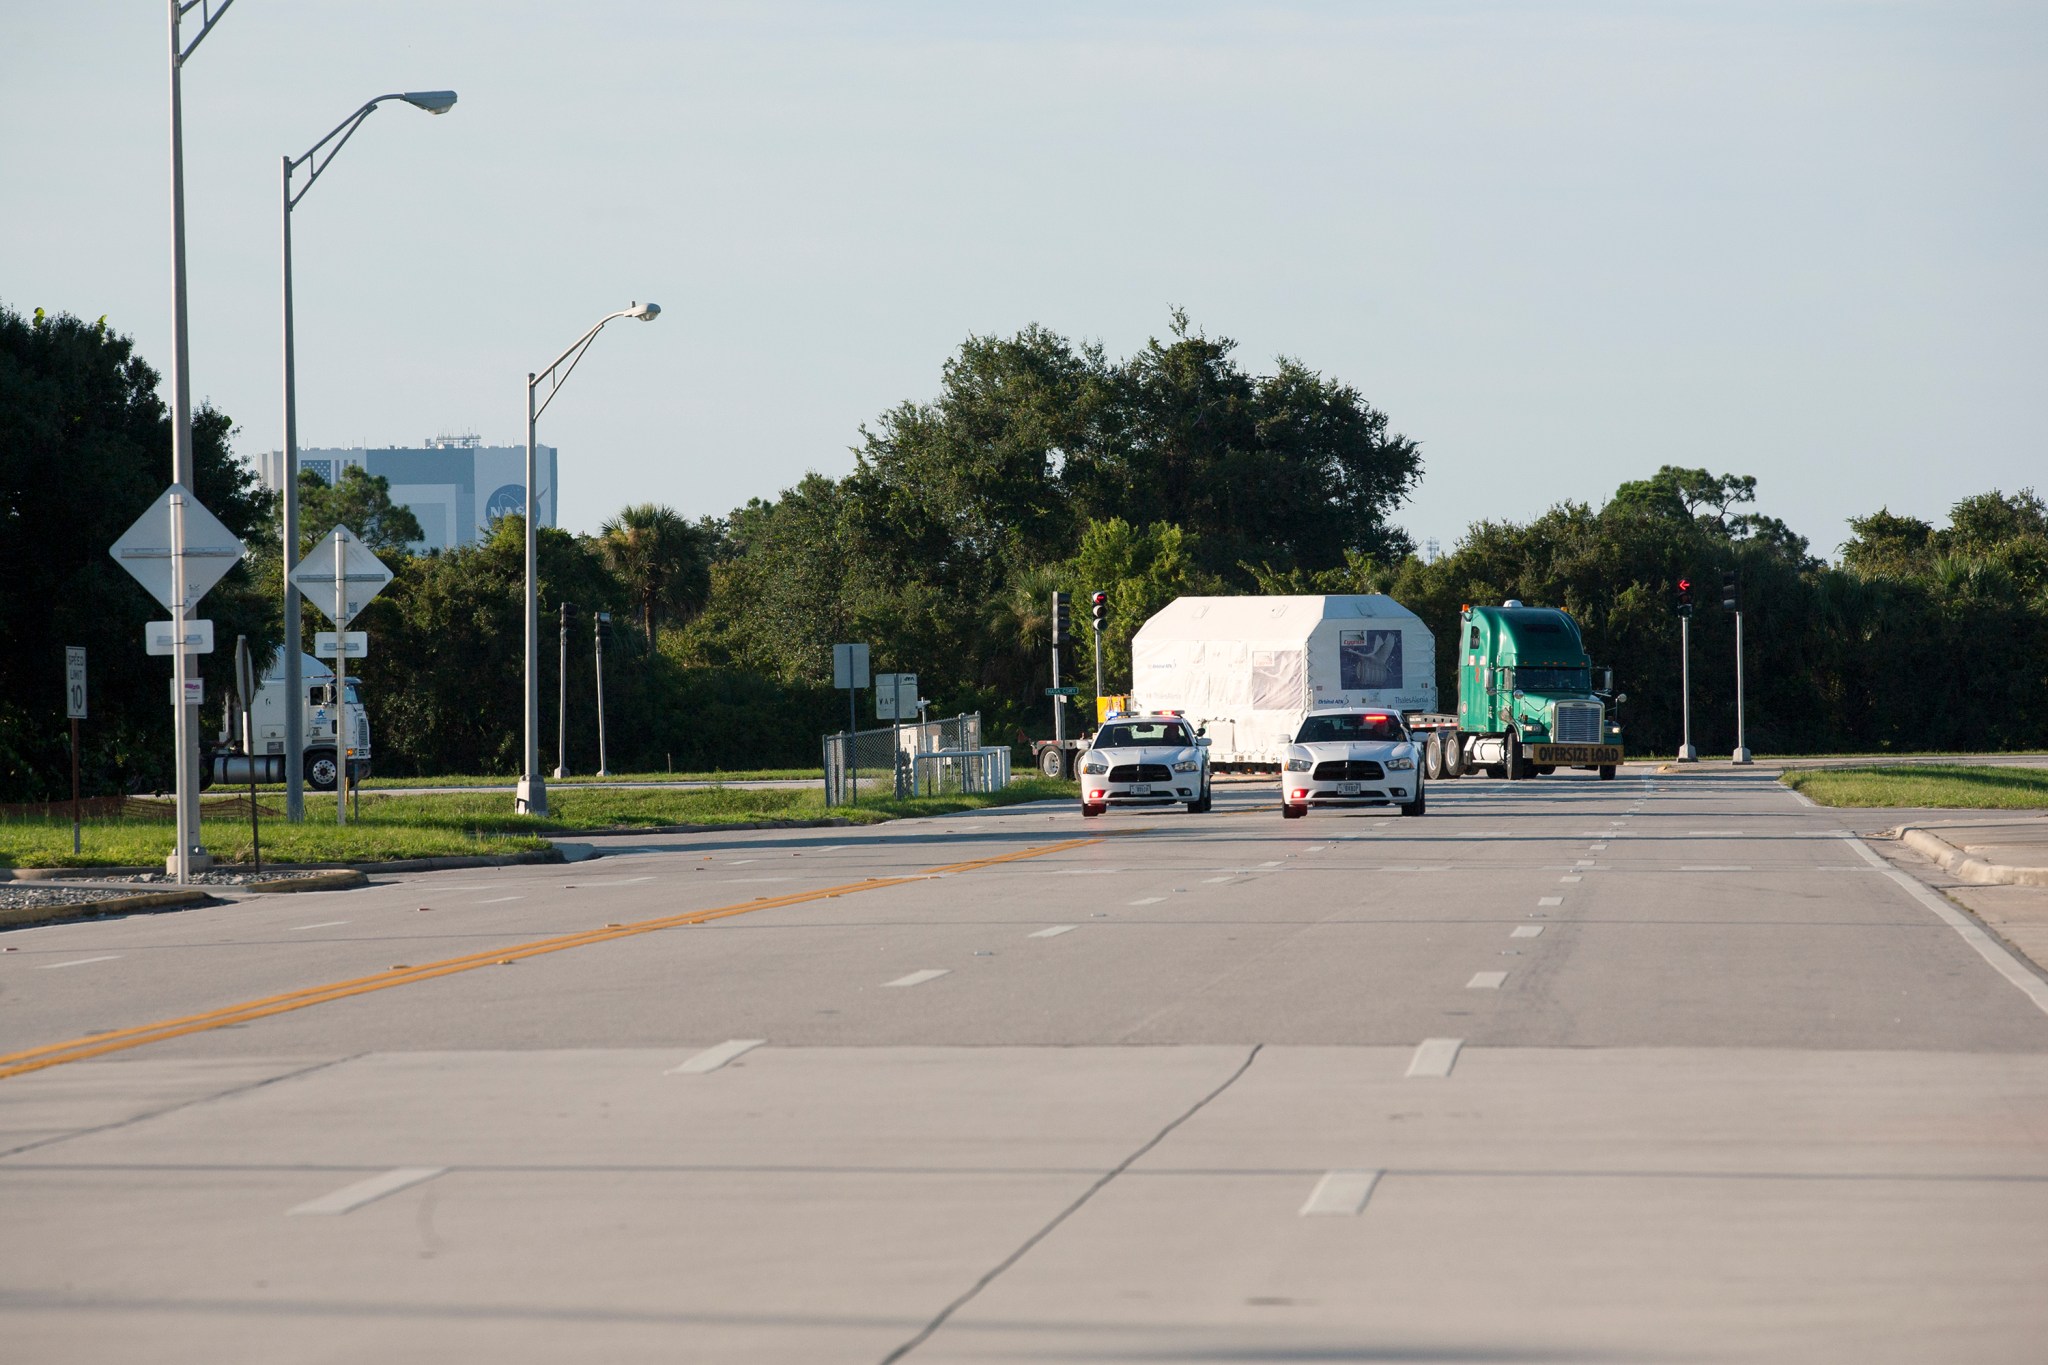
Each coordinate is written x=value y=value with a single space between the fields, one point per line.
x=664 y=560
x=360 y=501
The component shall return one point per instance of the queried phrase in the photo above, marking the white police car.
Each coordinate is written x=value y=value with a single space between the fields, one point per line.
x=1350 y=757
x=1152 y=759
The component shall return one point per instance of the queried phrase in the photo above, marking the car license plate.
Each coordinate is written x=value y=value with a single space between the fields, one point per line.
x=1347 y=789
x=1142 y=789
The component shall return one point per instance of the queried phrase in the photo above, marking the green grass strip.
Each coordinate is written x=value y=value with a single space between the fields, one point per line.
x=1950 y=786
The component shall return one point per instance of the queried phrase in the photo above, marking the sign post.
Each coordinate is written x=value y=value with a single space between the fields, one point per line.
x=245 y=690
x=74 y=707
x=178 y=550
x=850 y=671
x=340 y=577
x=896 y=700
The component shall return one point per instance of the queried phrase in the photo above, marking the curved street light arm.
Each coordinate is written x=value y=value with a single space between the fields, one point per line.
x=574 y=355
x=344 y=130
x=208 y=17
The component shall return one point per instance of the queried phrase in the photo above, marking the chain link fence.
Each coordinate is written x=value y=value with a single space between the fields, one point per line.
x=924 y=758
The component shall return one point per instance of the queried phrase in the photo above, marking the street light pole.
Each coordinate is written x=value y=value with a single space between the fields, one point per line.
x=562 y=697
x=598 y=621
x=434 y=102
x=532 y=796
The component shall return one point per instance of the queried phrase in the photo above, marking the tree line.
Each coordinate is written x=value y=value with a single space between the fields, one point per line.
x=1041 y=464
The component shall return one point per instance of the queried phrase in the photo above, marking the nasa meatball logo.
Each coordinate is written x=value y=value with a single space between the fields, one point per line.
x=510 y=500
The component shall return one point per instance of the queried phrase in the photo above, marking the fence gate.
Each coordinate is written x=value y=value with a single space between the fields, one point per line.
x=925 y=758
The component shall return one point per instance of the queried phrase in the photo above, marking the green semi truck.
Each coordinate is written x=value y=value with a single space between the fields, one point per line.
x=1526 y=700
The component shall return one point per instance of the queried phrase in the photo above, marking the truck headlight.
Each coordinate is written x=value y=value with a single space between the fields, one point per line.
x=1401 y=765
x=1095 y=766
x=1300 y=765
x=1187 y=765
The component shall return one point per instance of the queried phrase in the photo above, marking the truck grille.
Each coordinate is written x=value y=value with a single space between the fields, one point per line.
x=1578 y=723
x=1141 y=772
x=1348 y=770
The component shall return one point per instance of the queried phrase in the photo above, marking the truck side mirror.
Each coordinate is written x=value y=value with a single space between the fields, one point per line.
x=1620 y=697
x=1607 y=680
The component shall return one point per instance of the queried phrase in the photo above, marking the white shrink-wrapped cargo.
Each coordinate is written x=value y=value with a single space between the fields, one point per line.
x=1249 y=668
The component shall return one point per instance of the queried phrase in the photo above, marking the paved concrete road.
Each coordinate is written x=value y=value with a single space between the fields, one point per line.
x=1668 y=1068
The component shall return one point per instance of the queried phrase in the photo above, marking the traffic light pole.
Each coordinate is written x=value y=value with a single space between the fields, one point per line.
x=1098 y=665
x=1741 y=733
x=1059 y=703
x=1686 y=753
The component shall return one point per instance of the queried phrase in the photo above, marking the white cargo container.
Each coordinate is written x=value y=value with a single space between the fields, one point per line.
x=1247 y=669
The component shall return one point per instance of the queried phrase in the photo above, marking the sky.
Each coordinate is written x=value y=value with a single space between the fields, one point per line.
x=1559 y=244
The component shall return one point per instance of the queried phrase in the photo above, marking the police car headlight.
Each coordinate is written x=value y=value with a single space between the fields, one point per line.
x=1187 y=765
x=1300 y=765
x=1095 y=766
x=1401 y=765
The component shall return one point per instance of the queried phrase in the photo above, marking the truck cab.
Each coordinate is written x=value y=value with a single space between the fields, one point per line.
x=1526 y=702
x=332 y=724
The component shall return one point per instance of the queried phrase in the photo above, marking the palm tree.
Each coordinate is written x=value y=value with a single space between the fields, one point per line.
x=663 y=559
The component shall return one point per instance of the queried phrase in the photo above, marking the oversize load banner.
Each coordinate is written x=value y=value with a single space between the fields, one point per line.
x=1571 y=755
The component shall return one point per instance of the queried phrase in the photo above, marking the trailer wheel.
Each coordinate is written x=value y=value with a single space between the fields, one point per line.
x=1052 y=761
x=1607 y=772
x=1433 y=757
x=1516 y=772
x=1454 y=753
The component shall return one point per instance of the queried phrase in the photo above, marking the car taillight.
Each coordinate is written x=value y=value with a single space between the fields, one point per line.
x=1300 y=793
x=1095 y=796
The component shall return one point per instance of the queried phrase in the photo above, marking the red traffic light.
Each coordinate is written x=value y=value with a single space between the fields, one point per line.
x=1685 y=585
x=1099 y=599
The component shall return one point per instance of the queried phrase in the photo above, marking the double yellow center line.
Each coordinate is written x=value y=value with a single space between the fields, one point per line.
x=119 y=1040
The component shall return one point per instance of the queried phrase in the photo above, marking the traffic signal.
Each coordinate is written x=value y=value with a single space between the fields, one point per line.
x=1099 y=605
x=1062 y=620
x=1729 y=600
x=1685 y=597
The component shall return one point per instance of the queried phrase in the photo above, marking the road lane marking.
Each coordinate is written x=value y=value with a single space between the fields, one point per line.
x=1714 y=867
x=323 y=924
x=78 y=962
x=499 y=900
x=712 y=1058
x=351 y=1197
x=1486 y=981
x=742 y=862
x=118 y=1040
x=1987 y=947
x=1055 y=931
x=622 y=881
x=1340 y=1194
x=1263 y=866
x=1149 y=900
x=1584 y=862
x=1211 y=881
x=1542 y=901
x=1435 y=1057
x=1571 y=879
x=919 y=978
x=1526 y=931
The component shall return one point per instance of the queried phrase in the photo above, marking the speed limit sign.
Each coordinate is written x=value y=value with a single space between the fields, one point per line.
x=74 y=683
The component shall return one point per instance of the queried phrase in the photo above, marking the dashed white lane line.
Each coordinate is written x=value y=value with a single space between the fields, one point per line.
x=500 y=900
x=622 y=881
x=1211 y=881
x=1542 y=901
x=712 y=1058
x=1263 y=866
x=742 y=862
x=351 y=1197
x=1486 y=981
x=919 y=978
x=78 y=962
x=323 y=924
x=1340 y=1194
x=1714 y=867
x=1597 y=848
x=1526 y=931
x=1584 y=862
x=1056 y=931
x=1149 y=900
x=1435 y=1057
x=1571 y=879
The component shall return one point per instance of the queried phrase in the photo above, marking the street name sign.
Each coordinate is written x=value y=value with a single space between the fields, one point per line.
x=144 y=549
x=1061 y=691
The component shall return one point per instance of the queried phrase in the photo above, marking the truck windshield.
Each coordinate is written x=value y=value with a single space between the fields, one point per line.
x=1553 y=679
x=1372 y=727
x=1131 y=734
x=355 y=698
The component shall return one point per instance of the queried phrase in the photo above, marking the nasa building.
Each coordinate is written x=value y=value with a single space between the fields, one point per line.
x=456 y=485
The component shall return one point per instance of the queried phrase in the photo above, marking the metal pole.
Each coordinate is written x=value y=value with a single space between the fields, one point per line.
x=184 y=718
x=341 y=725
x=1741 y=732
x=1098 y=673
x=852 y=749
x=74 y=785
x=188 y=856
x=1059 y=705
x=1686 y=753
x=294 y=671
x=249 y=749
x=533 y=789
x=562 y=702
x=597 y=624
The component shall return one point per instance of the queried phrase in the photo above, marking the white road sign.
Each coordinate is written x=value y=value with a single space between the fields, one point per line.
x=896 y=696
x=162 y=637
x=849 y=665
x=195 y=691
x=340 y=576
x=144 y=549
x=354 y=644
x=74 y=682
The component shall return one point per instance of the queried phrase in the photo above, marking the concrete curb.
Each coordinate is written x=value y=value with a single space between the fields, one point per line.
x=610 y=831
x=319 y=881
x=16 y=916
x=1965 y=866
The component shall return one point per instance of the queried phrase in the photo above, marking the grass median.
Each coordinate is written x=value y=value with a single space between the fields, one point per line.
x=574 y=780
x=382 y=828
x=1947 y=786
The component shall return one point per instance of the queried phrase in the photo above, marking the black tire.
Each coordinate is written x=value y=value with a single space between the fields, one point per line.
x=1052 y=761
x=1419 y=804
x=1433 y=757
x=1543 y=769
x=1607 y=772
x=1516 y=770
x=1090 y=811
x=1454 y=753
x=1288 y=812
x=322 y=772
x=1201 y=804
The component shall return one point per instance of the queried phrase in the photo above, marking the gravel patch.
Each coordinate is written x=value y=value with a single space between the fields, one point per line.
x=14 y=895
x=211 y=877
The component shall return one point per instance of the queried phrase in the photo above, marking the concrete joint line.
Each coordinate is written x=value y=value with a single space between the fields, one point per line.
x=926 y=1333
x=1990 y=949
x=1434 y=1057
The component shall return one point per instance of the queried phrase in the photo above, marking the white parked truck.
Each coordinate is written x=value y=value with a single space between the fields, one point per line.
x=330 y=721
x=1247 y=669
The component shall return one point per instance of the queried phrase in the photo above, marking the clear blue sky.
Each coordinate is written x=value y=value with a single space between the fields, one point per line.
x=1559 y=244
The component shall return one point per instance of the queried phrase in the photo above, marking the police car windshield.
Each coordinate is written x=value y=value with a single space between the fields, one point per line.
x=1128 y=734
x=1350 y=728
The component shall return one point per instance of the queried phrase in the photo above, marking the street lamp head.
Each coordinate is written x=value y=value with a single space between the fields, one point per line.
x=646 y=312
x=433 y=101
